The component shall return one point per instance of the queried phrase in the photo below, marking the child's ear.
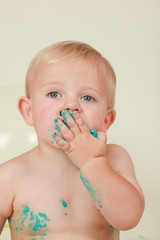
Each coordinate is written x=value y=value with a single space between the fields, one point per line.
x=110 y=118
x=25 y=108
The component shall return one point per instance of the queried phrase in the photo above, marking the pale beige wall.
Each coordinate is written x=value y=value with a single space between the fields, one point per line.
x=128 y=34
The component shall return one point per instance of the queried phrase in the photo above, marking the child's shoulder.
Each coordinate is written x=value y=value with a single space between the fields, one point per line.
x=120 y=159
x=116 y=150
x=14 y=167
x=121 y=162
x=11 y=173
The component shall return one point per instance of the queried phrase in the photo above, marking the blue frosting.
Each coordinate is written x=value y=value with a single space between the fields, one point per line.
x=94 y=132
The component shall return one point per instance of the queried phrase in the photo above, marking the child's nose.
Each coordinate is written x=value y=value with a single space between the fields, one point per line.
x=72 y=104
x=72 y=107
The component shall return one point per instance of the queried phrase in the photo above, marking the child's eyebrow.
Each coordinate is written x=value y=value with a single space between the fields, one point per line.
x=85 y=88
x=51 y=83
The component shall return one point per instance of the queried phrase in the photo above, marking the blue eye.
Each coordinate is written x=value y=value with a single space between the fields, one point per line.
x=54 y=94
x=88 y=98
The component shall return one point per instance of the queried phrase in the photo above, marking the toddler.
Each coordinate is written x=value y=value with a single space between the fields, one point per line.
x=72 y=185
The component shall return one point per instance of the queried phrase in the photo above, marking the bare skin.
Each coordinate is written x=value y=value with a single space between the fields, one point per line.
x=39 y=189
x=81 y=188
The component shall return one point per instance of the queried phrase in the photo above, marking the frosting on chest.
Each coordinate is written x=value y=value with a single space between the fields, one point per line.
x=30 y=222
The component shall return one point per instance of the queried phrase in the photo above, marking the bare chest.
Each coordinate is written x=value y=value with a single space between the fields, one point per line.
x=53 y=205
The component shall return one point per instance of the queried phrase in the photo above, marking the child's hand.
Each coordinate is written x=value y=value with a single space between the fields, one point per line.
x=74 y=137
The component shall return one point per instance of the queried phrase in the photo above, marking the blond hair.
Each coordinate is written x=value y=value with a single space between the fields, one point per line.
x=68 y=50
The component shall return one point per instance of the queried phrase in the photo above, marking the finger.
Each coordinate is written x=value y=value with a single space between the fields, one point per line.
x=68 y=119
x=61 y=142
x=57 y=125
x=81 y=124
x=65 y=132
x=55 y=138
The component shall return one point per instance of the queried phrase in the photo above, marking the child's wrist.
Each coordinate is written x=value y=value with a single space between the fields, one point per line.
x=94 y=161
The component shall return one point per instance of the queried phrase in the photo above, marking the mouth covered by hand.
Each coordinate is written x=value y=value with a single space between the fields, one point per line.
x=94 y=132
x=79 y=143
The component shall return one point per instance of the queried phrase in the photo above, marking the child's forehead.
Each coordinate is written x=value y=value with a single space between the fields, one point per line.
x=76 y=65
x=87 y=68
x=82 y=72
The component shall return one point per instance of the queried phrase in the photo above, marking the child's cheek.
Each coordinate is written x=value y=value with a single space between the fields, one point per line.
x=43 y=119
x=95 y=120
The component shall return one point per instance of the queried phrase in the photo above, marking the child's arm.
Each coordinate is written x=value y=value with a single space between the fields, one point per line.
x=2 y=222
x=6 y=194
x=117 y=193
x=107 y=173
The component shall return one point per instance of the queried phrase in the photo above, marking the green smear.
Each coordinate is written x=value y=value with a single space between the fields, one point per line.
x=37 y=225
x=65 y=118
x=92 y=191
x=69 y=158
x=57 y=127
x=114 y=229
x=55 y=134
x=56 y=120
x=25 y=214
x=63 y=203
x=94 y=132
x=36 y=221
x=43 y=215
x=64 y=114
x=32 y=216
